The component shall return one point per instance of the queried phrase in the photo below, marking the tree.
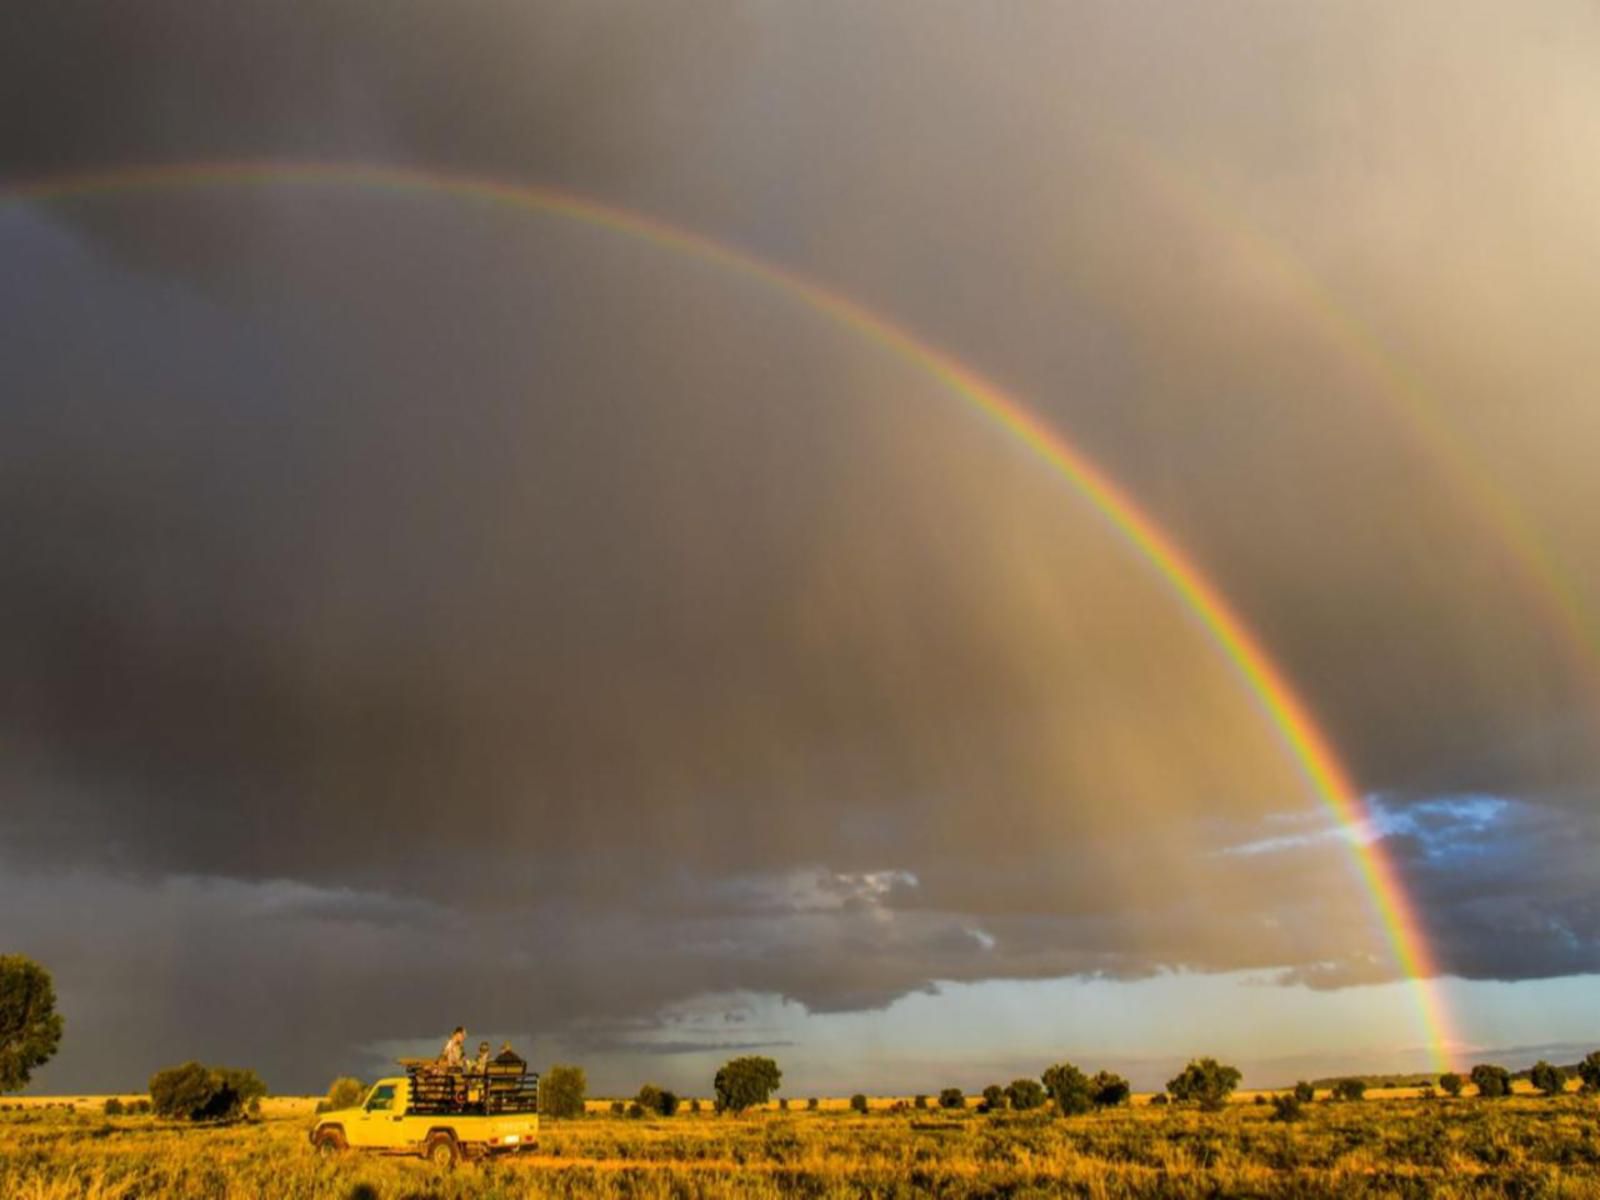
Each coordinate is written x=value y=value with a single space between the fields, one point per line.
x=199 y=1093
x=1206 y=1082
x=1589 y=1072
x=667 y=1106
x=1107 y=1090
x=1492 y=1082
x=952 y=1098
x=746 y=1082
x=919 y=1102
x=1069 y=1088
x=1352 y=1088
x=858 y=1103
x=1159 y=1100
x=1304 y=1092
x=1450 y=1083
x=114 y=1107
x=562 y=1090
x=30 y=1027
x=812 y=1104
x=1552 y=1081
x=994 y=1099
x=344 y=1092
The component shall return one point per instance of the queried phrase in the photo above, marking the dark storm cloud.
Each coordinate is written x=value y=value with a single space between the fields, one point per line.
x=509 y=597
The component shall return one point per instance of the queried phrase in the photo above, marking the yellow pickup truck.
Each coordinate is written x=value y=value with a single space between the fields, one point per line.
x=443 y=1115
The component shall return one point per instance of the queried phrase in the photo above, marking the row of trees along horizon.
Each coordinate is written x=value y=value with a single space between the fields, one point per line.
x=31 y=1031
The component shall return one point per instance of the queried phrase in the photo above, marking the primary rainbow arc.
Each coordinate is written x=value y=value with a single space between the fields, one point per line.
x=1288 y=715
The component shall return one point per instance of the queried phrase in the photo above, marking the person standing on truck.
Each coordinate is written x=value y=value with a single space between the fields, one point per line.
x=450 y=1056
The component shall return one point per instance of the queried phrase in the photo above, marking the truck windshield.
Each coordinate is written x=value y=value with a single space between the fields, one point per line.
x=382 y=1098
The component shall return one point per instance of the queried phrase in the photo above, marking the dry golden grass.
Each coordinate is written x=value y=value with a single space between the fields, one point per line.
x=1523 y=1147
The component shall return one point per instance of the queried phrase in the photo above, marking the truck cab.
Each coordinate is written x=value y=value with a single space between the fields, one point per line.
x=438 y=1113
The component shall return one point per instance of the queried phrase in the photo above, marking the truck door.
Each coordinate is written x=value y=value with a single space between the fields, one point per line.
x=379 y=1112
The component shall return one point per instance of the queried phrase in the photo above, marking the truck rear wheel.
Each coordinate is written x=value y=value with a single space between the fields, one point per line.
x=441 y=1151
x=330 y=1141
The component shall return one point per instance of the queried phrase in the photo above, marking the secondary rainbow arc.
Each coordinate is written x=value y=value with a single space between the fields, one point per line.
x=1287 y=713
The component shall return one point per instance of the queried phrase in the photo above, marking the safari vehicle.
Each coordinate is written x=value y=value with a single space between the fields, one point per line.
x=440 y=1113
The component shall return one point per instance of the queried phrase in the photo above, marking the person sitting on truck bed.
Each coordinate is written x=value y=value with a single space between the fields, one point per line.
x=481 y=1063
x=509 y=1057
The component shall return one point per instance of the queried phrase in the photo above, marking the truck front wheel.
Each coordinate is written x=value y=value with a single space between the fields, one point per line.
x=441 y=1151
x=330 y=1141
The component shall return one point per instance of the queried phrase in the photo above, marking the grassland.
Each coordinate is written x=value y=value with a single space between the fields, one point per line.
x=1521 y=1147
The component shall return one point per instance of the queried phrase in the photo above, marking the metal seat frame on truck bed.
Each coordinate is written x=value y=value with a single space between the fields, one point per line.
x=499 y=1089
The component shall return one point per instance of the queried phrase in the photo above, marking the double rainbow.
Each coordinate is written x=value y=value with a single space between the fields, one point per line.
x=1270 y=689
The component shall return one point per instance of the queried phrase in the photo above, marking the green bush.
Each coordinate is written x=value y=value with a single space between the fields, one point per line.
x=748 y=1082
x=1288 y=1107
x=1304 y=1092
x=952 y=1097
x=1551 y=1081
x=114 y=1107
x=994 y=1099
x=1025 y=1094
x=1107 y=1090
x=1352 y=1088
x=919 y=1102
x=1589 y=1072
x=1206 y=1082
x=561 y=1092
x=1492 y=1082
x=858 y=1103
x=1069 y=1088
x=1451 y=1084
x=199 y=1093
x=344 y=1092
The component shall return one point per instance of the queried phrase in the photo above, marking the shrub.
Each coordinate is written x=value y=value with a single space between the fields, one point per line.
x=30 y=1028
x=1589 y=1072
x=858 y=1103
x=113 y=1107
x=1352 y=1088
x=1552 y=1081
x=694 y=1105
x=1159 y=1100
x=343 y=1092
x=1492 y=1082
x=1206 y=1082
x=1107 y=1090
x=199 y=1093
x=952 y=1098
x=994 y=1099
x=618 y=1108
x=812 y=1104
x=140 y=1108
x=1450 y=1083
x=746 y=1082
x=1288 y=1107
x=657 y=1101
x=1025 y=1094
x=561 y=1091
x=783 y=1104
x=1069 y=1088
x=919 y=1102
x=1304 y=1092
x=635 y=1111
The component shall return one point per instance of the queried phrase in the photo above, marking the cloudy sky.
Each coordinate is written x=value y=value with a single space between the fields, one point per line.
x=416 y=611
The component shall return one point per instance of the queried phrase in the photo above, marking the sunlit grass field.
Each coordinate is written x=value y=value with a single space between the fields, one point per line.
x=1521 y=1147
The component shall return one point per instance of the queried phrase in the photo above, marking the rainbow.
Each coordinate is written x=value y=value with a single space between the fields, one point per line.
x=1287 y=714
x=1546 y=583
